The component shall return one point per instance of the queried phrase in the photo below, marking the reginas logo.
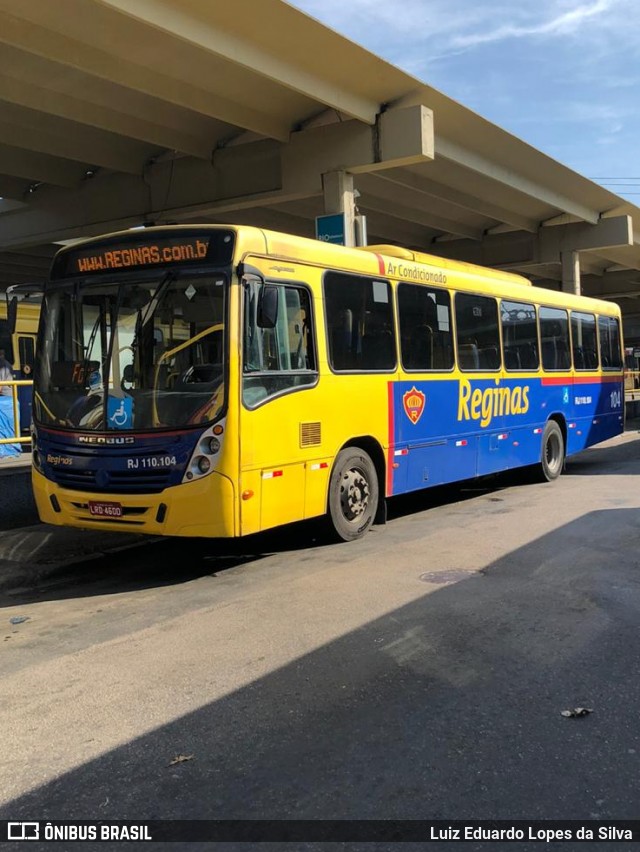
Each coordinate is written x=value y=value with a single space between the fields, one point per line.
x=484 y=404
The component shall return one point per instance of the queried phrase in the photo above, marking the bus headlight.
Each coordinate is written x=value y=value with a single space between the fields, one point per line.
x=214 y=446
x=204 y=465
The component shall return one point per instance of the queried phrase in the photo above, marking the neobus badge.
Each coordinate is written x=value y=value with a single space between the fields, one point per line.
x=102 y=439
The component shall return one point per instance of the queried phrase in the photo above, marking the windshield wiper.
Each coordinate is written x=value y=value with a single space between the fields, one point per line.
x=158 y=293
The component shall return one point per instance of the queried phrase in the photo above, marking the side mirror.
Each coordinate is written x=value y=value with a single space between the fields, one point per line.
x=12 y=313
x=268 y=306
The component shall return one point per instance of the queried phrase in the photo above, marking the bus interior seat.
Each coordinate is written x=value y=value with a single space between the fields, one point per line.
x=488 y=358
x=528 y=355
x=563 y=354
x=585 y=359
x=420 y=348
x=378 y=350
x=341 y=341
x=342 y=354
x=555 y=354
x=512 y=358
x=590 y=359
x=468 y=356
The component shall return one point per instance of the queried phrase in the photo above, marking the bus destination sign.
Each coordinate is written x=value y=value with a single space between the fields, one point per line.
x=143 y=251
x=176 y=250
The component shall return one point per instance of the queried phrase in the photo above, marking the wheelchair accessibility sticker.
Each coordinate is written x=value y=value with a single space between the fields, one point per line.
x=120 y=412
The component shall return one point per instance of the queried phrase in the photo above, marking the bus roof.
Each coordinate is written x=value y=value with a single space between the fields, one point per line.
x=388 y=260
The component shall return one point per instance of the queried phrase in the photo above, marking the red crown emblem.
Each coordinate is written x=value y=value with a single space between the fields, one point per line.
x=413 y=402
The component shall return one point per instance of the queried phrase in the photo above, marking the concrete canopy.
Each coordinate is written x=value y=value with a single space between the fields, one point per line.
x=119 y=112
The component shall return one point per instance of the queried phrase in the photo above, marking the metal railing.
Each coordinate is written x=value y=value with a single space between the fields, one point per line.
x=14 y=384
x=632 y=386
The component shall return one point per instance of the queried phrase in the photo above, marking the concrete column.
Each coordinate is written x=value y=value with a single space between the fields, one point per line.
x=571 y=272
x=339 y=198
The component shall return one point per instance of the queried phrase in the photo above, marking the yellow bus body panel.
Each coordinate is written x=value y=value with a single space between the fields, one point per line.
x=205 y=507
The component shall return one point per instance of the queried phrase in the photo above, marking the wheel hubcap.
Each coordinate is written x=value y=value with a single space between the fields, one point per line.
x=354 y=494
x=553 y=452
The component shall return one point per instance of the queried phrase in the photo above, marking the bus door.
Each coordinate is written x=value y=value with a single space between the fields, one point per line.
x=25 y=350
x=278 y=371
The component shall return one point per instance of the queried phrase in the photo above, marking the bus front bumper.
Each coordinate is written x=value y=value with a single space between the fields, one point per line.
x=203 y=508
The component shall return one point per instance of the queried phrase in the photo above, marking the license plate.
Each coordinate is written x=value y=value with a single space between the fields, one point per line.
x=103 y=509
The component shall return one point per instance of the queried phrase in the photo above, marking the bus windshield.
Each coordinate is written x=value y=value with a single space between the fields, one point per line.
x=136 y=354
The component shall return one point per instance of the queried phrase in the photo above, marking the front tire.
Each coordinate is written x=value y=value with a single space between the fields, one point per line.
x=552 y=452
x=353 y=494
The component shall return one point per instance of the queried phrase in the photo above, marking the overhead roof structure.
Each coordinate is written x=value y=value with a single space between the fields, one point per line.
x=114 y=113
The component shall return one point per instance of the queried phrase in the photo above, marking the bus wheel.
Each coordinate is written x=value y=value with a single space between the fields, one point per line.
x=353 y=494
x=552 y=456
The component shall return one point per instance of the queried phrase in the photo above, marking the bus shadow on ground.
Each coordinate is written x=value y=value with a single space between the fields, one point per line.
x=175 y=561
x=604 y=461
x=449 y=707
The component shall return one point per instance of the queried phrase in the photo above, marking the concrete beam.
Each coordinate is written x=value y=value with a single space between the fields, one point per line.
x=467 y=158
x=470 y=203
x=239 y=178
x=22 y=27
x=84 y=112
x=56 y=137
x=403 y=136
x=35 y=167
x=607 y=233
x=388 y=198
x=274 y=65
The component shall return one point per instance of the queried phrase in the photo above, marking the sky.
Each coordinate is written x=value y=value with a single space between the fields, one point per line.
x=563 y=75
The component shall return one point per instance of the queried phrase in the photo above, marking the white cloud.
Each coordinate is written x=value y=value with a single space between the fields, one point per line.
x=559 y=24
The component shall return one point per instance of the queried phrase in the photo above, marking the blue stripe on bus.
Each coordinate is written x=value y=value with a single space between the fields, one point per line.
x=447 y=430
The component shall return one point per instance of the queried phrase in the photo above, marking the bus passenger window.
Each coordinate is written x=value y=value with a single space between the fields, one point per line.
x=280 y=358
x=360 y=327
x=554 y=334
x=477 y=333
x=426 y=340
x=519 y=336
x=583 y=341
x=610 y=354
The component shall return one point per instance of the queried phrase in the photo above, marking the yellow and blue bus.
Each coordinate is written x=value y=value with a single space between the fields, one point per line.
x=17 y=344
x=219 y=381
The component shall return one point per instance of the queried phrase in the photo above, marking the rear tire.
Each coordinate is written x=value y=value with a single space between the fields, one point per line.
x=353 y=494
x=552 y=453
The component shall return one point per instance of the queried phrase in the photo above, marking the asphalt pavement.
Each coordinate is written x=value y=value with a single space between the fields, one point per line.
x=420 y=673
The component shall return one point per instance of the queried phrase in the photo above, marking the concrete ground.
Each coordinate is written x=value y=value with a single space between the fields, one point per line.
x=419 y=673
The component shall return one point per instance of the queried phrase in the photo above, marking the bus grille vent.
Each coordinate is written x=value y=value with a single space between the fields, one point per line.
x=310 y=434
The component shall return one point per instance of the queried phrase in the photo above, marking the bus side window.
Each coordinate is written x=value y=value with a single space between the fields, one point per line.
x=519 y=336
x=583 y=341
x=280 y=358
x=609 y=333
x=477 y=332
x=554 y=332
x=425 y=327
x=360 y=326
